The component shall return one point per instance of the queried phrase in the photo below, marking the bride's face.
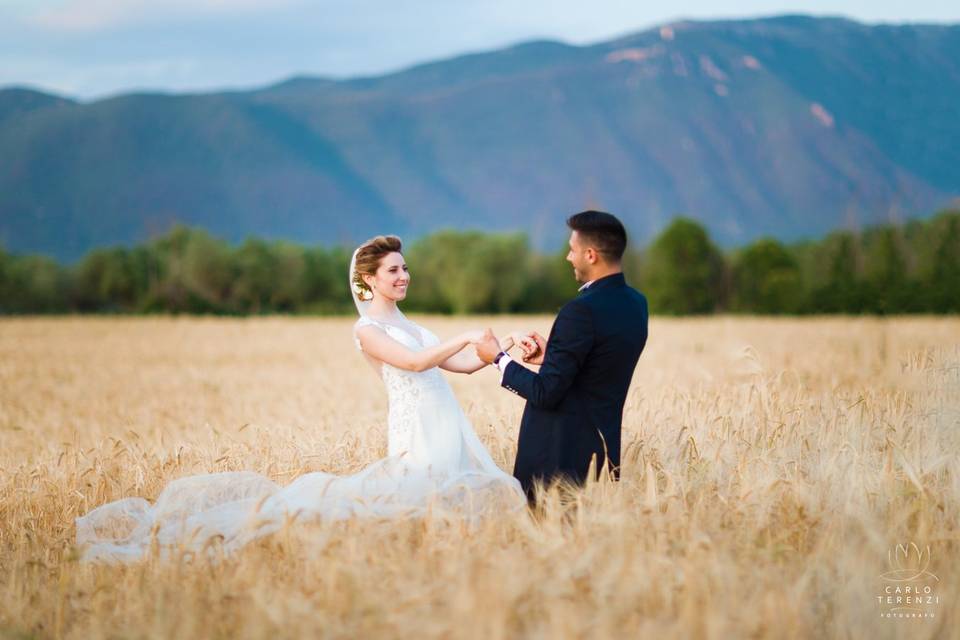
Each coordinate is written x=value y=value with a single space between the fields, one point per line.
x=392 y=278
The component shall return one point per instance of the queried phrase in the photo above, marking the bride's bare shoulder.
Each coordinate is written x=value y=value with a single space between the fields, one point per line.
x=365 y=326
x=368 y=322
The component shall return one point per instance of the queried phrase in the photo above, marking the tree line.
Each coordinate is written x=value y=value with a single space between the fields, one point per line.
x=889 y=269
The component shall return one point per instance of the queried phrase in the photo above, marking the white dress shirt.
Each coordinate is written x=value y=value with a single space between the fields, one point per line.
x=502 y=365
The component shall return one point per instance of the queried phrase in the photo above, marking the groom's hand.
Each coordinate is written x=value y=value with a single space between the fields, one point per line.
x=488 y=347
x=527 y=345
x=534 y=354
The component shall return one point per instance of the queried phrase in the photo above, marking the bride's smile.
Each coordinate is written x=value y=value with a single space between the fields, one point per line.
x=392 y=277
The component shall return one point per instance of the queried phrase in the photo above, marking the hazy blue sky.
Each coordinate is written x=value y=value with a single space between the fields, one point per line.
x=92 y=48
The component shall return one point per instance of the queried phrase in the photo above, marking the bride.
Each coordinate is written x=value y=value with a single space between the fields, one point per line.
x=434 y=459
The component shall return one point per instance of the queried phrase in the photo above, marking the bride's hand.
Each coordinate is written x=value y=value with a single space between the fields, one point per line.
x=509 y=340
x=474 y=336
x=516 y=339
x=522 y=339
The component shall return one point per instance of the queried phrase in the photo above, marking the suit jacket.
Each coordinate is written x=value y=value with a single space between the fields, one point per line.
x=575 y=403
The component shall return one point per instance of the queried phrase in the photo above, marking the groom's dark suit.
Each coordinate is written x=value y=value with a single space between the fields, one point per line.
x=575 y=403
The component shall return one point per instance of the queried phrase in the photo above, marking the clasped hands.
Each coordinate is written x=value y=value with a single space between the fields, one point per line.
x=531 y=343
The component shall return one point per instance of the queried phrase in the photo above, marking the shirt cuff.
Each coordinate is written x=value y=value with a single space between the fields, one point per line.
x=502 y=365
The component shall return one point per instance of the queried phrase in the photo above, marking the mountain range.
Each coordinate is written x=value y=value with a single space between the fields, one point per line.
x=789 y=126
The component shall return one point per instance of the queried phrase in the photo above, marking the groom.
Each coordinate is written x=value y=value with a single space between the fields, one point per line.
x=575 y=403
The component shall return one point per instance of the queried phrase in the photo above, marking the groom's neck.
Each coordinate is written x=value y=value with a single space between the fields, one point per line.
x=602 y=271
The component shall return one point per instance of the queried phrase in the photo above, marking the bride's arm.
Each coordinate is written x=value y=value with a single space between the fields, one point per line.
x=467 y=361
x=376 y=343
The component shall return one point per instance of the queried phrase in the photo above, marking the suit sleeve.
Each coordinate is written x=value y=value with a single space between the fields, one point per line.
x=570 y=342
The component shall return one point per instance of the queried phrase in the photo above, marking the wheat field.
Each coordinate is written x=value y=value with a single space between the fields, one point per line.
x=770 y=469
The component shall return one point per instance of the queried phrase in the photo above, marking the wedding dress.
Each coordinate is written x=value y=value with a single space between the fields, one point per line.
x=435 y=463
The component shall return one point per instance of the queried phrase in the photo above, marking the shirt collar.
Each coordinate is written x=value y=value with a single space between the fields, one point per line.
x=585 y=285
x=610 y=280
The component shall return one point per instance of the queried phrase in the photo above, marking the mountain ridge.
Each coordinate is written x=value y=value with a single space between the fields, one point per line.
x=787 y=126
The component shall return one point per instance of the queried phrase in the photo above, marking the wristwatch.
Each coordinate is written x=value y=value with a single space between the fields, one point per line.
x=496 y=358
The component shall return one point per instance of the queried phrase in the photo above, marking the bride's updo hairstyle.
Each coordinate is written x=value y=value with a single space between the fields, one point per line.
x=368 y=260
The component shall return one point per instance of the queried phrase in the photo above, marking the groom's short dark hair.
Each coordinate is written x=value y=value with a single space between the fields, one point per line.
x=601 y=230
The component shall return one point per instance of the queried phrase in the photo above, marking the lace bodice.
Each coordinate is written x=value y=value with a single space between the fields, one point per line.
x=407 y=391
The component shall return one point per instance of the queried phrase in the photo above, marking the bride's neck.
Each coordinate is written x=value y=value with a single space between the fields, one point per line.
x=383 y=308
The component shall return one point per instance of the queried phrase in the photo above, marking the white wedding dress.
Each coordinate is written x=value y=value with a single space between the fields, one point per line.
x=435 y=463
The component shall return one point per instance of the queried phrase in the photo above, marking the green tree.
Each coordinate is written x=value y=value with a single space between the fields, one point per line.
x=941 y=268
x=468 y=272
x=5 y=283
x=206 y=272
x=255 y=277
x=164 y=260
x=766 y=279
x=289 y=277
x=632 y=265
x=186 y=270
x=839 y=285
x=502 y=260
x=325 y=280
x=8 y=288
x=549 y=283
x=428 y=258
x=105 y=280
x=683 y=271
x=887 y=280
x=35 y=284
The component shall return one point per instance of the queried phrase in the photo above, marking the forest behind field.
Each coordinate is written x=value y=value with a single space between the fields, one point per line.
x=890 y=269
